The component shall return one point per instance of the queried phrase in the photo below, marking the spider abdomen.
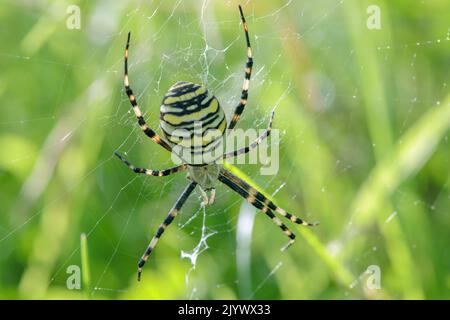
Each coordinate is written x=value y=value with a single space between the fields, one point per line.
x=192 y=119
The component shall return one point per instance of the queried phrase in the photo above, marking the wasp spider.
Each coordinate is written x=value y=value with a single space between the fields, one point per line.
x=184 y=105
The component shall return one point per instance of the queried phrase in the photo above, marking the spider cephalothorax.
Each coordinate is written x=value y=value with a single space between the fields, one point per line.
x=194 y=125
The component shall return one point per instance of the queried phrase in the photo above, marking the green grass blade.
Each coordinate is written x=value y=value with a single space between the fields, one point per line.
x=85 y=271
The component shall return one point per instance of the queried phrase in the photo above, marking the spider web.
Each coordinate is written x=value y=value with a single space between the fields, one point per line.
x=200 y=52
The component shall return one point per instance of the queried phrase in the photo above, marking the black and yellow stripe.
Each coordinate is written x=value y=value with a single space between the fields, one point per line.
x=192 y=118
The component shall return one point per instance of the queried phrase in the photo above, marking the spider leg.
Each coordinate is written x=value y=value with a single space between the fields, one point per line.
x=204 y=196
x=208 y=200
x=145 y=128
x=254 y=144
x=172 y=214
x=259 y=205
x=248 y=72
x=264 y=200
x=150 y=172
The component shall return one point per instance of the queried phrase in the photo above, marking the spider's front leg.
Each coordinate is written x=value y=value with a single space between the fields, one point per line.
x=248 y=73
x=141 y=121
x=254 y=144
x=167 y=221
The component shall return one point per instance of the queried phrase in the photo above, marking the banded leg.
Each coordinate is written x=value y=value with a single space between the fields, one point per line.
x=145 y=128
x=248 y=72
x=259 y=205
x=172 y=214
x=150 y=172
x=254 y=144
x=264 y=200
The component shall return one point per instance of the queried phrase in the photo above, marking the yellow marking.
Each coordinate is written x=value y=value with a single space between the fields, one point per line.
x=144 y=127
x=246 y=84
x=126 y=53
x=180 y=131
x=125 y=80
x=137 y=111
x=247 y=70
x=153 y=243
x=213 y=196
x=210 y=136
x=244 y=101
x=277 y=221
x=251 y=199
x=132 y=98
x=287 y=232
x=249 y=52
x=170 y=100
x=175 y=139
x=264 y=209
x=165 y=108
x=176 y=119
x=293 y=219
x=253 y=191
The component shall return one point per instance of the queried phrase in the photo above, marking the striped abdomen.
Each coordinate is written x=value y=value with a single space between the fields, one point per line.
x=192 y=119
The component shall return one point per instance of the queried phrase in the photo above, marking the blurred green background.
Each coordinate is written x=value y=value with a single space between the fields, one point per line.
x=363 y=115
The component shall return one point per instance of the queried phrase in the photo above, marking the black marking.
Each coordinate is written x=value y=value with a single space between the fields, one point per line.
x=169 y=219
x=188 y=112
x=204 y=123
x=187 y=103
x=176 y=92
x=159 y=232
x=239 y=110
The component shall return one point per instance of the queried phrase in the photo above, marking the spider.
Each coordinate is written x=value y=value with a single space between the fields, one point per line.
x=184 y=105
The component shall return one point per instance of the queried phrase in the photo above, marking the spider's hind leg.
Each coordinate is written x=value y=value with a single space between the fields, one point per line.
x=167 y=221
x=265 y=201
x=259 y=201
